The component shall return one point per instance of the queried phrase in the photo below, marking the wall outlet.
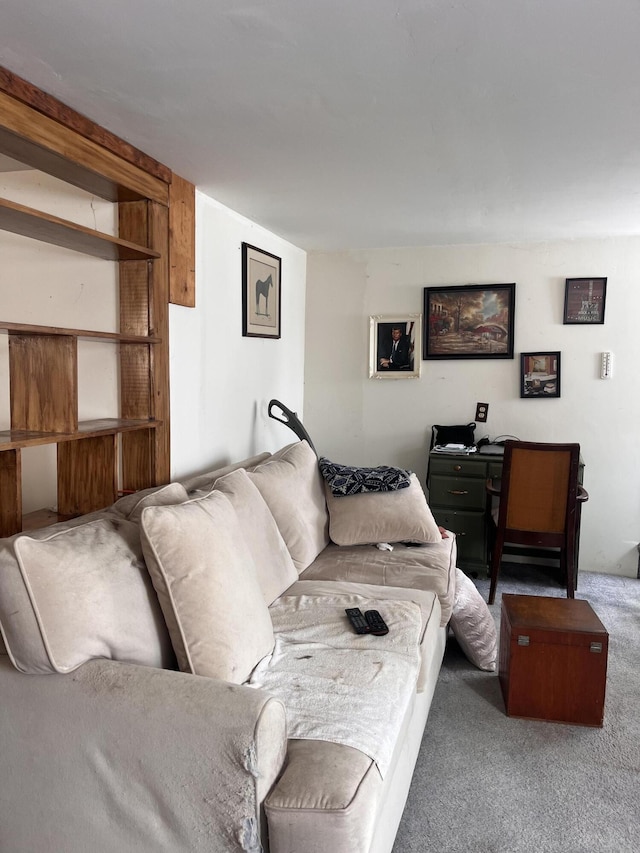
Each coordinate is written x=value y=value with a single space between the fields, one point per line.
x=482 y=410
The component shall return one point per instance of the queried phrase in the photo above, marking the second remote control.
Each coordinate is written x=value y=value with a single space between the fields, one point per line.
x=376 y=623
x=360 y=625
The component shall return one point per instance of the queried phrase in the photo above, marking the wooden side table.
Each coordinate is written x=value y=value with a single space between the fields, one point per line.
x=553 y=659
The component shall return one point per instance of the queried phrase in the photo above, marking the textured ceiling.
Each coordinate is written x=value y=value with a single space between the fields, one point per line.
x=364 y=123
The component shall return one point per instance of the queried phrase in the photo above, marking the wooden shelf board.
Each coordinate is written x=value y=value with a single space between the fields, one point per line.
x=20 y=219
x=28 y=329
x=12 y=439
x=42 y=518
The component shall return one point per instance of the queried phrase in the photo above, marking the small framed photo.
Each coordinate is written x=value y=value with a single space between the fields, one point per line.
x=584 y=300
x=540 y=375
x=469 y=321
x=261 y=272
x=394 y=346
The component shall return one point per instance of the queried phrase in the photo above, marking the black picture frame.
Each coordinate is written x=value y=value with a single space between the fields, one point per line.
x=584 y=301
x=540 y=375
x=261 y=293
x=469 y=321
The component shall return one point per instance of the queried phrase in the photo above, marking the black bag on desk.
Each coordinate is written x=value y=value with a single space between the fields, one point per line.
x=462 y=434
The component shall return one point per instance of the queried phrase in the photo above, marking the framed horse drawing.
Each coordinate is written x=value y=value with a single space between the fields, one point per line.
x=261 y=291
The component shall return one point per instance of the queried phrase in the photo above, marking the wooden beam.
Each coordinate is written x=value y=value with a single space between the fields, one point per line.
x=46 y=104
x=182 y=243
x=46 y=144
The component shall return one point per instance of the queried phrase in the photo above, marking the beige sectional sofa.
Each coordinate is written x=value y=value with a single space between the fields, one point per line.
x=178 y=672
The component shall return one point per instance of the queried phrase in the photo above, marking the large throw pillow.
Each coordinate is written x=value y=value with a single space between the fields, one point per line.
x=275 y=568
x=400 y=516
x=292 y=485
x=208 y=587
x=81 y=592
x=473 y=625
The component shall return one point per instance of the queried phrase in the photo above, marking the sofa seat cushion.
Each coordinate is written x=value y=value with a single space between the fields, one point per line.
x=397 y=516
x=292 y=485
x=77 y=593
x=337 y=685
x=271 y=556
x=428 y=603
x=428 y=567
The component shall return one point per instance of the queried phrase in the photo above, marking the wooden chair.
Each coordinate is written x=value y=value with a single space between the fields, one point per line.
x=540 y=501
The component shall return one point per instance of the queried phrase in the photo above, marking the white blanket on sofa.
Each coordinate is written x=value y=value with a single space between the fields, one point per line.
x=341 y=686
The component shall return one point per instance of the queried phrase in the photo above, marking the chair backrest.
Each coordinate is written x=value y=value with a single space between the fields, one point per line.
x=539 y=486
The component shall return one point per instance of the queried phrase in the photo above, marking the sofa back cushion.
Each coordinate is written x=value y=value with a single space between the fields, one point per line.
x=203 y=483
x=131 y=506
x=78 y=593
x=368 y=518
x=274 y=566
x=292 y=485
x=208 y=587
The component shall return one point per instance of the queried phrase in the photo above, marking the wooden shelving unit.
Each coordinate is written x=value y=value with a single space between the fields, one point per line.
x=96 y=459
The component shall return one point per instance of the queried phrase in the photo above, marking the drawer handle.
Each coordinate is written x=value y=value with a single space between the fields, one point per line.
x=457 y=467
x=458 y=492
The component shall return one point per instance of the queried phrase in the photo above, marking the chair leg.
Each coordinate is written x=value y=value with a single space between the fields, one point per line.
x=496 y=559
x=568 y=561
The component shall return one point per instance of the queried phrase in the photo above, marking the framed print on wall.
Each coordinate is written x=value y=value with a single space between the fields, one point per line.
x=394 y=346
x=261 y=291
x=469 y=321
x=540 y=374
x=584 y=300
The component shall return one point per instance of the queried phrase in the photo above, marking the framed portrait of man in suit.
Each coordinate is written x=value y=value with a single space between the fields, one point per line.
x=395 y=346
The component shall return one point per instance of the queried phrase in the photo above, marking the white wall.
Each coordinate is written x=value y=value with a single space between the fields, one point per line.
x=221 y=382
x=354 y=419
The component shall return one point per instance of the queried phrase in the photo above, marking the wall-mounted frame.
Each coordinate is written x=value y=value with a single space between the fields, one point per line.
x=469 y=321
x=261 y=292
x=540 y=375
x=584 y=301
x=395 y=342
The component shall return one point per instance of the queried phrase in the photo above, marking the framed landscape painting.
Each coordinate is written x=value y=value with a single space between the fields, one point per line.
x=469 y=321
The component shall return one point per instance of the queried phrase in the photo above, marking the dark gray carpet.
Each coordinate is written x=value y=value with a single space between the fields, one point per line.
x=488 y=783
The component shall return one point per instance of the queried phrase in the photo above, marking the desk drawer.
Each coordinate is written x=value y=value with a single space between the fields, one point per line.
x=458 y=492
x=458 y=467
x=469 y=528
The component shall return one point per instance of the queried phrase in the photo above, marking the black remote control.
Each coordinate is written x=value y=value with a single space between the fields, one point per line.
x=358 y=621
x=376 y=623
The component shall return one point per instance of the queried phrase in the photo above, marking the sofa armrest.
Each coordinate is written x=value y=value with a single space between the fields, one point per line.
x=121 y=757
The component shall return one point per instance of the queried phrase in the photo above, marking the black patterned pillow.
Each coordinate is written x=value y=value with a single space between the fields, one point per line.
x=349 y=480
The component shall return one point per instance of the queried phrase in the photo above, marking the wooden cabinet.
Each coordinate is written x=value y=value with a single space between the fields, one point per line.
x=96 y=459
x=553 y=659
